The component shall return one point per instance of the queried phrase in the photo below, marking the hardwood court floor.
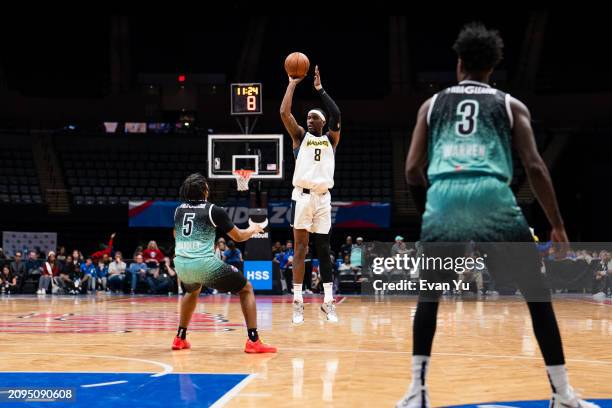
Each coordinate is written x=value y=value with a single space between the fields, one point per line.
x=484 y=351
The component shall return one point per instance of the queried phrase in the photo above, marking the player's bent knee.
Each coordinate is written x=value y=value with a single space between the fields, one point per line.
x=248 y=287
x=192 y=287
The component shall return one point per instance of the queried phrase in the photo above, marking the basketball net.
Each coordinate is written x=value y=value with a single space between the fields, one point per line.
x=242 y=179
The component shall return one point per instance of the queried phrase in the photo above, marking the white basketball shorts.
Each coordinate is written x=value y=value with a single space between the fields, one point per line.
x=311 y=211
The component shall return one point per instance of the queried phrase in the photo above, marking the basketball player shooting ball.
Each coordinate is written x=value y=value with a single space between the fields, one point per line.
x=195 y=223
x=465 y=133
x=313 y=177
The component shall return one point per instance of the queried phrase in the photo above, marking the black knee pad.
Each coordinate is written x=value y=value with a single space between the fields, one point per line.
x=323 y=253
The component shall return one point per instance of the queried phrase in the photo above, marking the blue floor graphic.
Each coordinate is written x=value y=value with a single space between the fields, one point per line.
x=124 y=389
x=603 y=403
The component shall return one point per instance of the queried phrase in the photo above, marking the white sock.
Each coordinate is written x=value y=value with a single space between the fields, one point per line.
x=297 y=292
x=557 y=375
x=328 y=290
x=420 y=366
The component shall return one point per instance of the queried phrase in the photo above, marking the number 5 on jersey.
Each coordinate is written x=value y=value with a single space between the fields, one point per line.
x=188 y=224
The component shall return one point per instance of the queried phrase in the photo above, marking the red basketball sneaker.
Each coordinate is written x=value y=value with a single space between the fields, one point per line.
x=258 y=347
x=180 y=344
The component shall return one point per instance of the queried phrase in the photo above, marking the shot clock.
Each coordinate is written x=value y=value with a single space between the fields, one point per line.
x=246 y=99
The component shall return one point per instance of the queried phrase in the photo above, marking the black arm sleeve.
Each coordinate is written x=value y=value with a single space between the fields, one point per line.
x=332 y=108
x=221 y=220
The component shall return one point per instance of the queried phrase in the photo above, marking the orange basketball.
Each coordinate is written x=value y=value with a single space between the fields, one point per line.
x=297 y=65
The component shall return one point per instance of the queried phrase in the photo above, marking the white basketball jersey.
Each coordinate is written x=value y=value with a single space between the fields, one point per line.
x=315 y=163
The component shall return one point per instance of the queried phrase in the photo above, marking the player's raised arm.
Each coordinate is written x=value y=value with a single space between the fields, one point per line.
x=330 y=107
x=537 y=172
x=295 y=131
x=417 y=159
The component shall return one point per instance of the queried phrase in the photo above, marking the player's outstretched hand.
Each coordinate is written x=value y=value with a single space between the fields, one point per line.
x=317 y=78
x=256 y=229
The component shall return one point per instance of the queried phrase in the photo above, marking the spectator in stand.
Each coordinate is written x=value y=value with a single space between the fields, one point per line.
x=8 y=281
x=220 y=248
x=50 y=270
x=105 y=249
x=102 y=271
x=33 y=266
x=289 y=252
x=65 y=276
x=286 y=264
x=138 y=251
x=345 y=265
x=346 y=248
x=153 y=254
x=73 y=269
x=88 y=271
x=61 y=255
x=276 y=248
x=356 y=254
x=116 y=273
x=603 y=275
x=397 y=246
x=233 y=256
x=159 y=279
x=138 y=272
x=56 y=268
x=77 y=257
x=18 y=269
x=152 y=257
x=278 y=258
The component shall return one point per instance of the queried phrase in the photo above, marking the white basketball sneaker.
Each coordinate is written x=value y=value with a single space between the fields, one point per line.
x=329 y=308
x=416 y=397
x=298 y=312
x=570 y=400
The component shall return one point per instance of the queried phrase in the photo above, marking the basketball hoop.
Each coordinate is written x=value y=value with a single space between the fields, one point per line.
x=242 y=179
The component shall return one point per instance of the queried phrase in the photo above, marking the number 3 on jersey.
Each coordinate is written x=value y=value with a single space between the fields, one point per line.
x=468 y=111
x=188 y=224
x=317 y=156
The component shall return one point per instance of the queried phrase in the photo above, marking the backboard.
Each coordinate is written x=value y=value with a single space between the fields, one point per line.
x=261 y=153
